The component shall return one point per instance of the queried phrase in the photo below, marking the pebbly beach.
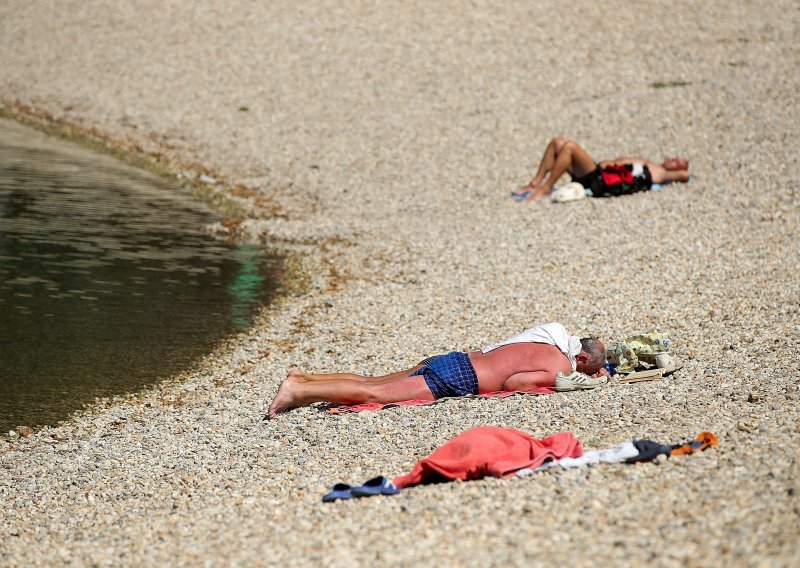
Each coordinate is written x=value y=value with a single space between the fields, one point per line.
x=380 y=143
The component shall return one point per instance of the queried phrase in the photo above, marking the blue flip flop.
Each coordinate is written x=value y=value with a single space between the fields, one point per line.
x=338 y=491
x=375 y=486
x=520 y=196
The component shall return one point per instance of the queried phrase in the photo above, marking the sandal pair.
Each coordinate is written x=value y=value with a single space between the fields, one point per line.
x=375 y=486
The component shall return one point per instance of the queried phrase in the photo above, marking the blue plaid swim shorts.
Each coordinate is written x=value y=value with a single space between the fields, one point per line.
x=450 y=375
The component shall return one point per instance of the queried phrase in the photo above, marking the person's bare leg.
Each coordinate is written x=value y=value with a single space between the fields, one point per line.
x=662 y=175
x=294 y=393
x=305 y=377
x=548 y=159
x=301 y=376
x=572 y=158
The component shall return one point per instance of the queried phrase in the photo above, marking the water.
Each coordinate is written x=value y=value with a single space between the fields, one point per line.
x=108 y=281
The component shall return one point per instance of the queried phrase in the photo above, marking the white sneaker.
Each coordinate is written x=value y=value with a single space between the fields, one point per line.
x=578 y=381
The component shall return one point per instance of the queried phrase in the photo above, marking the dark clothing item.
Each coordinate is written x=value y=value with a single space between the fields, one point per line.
x=588 y=180
x=427 y=360
x=619 y=180
x=648 y=451
x=450 y=375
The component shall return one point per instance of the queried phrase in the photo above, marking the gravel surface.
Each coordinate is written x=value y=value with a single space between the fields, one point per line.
x=386 y=136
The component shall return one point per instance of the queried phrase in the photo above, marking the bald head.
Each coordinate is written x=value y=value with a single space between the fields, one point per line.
x=592 y=356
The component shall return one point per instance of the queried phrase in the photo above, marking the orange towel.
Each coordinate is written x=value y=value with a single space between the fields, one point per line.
x=489 y=451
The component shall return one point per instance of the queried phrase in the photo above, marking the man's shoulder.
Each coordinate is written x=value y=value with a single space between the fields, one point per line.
x=537 y=349
x=550 y=327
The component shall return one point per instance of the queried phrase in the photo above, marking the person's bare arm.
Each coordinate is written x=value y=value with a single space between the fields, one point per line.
x=622 y=160
x=529 y=381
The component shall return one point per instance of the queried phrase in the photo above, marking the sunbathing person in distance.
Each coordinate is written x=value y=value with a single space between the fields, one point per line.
x=543 y=356
x=567 y=156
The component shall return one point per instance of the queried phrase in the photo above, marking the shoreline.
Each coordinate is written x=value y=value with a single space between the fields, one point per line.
x=298 y=257
x=130 y=153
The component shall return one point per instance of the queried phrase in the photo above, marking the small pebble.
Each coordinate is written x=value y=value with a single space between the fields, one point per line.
x=24 y=431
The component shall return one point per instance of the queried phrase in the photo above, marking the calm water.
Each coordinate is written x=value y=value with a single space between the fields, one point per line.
x=107 y=279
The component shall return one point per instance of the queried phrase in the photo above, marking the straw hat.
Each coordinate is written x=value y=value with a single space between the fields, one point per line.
x=568 y=192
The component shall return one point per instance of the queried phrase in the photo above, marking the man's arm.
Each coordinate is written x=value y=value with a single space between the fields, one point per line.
x=529 y=381
x=622 y=160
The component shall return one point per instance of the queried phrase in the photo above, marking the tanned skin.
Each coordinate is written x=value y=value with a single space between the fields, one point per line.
x=516 y=367
x=567 y=156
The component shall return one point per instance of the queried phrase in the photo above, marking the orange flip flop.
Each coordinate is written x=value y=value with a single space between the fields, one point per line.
x=703 y=441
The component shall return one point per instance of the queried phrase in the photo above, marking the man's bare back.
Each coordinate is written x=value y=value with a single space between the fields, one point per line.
x=519 y=367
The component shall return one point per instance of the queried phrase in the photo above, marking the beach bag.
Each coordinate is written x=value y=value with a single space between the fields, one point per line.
x=645 y=347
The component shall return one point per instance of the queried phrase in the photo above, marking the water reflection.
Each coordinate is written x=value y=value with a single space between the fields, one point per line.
x=107 y=279
x=246 y=286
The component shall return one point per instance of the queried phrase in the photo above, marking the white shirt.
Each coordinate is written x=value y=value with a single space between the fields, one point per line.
x=550 y=333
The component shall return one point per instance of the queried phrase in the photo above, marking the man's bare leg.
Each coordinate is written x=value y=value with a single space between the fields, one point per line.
x=303 y=377
x=548 y=159
x=306 y=377
x=294 y=393
x=571 y=158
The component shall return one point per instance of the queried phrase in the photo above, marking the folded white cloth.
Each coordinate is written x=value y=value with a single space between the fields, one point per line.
x=550 y=333
x=616 y=454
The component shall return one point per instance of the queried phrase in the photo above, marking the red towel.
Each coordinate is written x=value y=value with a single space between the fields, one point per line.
x=344 y=409
x=490 y=451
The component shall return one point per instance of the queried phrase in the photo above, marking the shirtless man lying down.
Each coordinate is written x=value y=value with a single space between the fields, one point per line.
x=543 y=356
x=567 y=156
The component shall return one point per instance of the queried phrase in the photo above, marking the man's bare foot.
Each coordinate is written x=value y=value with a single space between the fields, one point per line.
x=537 y=195
x=284 y=400
x=524 y=190
x=296 y=373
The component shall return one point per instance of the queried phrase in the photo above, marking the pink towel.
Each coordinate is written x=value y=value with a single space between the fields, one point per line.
x=344 y=409
x=490 y=451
